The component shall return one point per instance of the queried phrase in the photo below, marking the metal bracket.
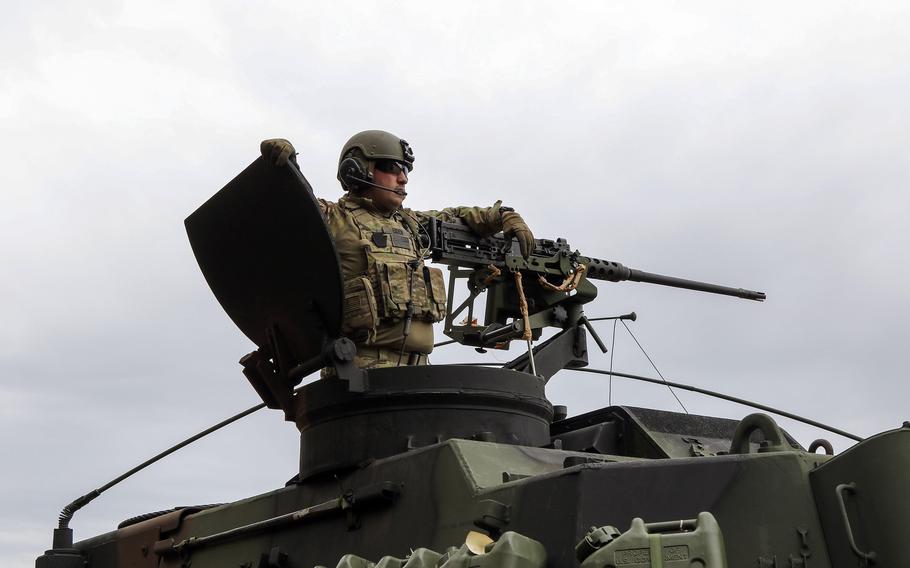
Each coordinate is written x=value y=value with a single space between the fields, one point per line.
x=341 y=354
x=567 y=348
x=840 y=490
x=492 y=516
x=274 y=559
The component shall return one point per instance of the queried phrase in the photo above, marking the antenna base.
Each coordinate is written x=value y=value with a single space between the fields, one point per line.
x=63 y=555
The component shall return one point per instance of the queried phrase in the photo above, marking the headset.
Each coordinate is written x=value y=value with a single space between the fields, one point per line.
x=351 y=173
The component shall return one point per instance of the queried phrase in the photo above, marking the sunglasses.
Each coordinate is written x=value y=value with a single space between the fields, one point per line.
x=393 y=167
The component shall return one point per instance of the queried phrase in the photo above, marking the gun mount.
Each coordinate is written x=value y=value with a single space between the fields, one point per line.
x=525 y=295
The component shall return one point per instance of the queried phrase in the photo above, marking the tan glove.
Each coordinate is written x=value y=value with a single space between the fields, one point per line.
x=514 y=226
x=278 y=151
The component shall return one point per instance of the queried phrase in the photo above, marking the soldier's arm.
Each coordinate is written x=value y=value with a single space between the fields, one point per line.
x=484 y=221
x=487 y=221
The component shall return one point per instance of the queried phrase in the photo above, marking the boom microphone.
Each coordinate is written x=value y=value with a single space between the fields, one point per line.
x=396 y=191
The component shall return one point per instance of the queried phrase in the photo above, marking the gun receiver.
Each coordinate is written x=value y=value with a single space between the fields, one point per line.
x=554 y=298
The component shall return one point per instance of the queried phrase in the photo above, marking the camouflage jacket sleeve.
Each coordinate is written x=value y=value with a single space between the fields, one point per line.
x=484 y=221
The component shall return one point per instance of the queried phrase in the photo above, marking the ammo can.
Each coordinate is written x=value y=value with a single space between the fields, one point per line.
x=511 y=550
x=673 y=544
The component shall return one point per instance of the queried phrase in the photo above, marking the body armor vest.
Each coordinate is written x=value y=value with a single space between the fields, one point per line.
x=383 y=272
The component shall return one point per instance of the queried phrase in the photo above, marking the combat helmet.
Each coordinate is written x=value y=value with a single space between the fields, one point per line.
x=360 y=153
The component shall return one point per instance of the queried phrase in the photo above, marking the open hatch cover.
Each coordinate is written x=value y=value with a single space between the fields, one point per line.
x=266 y=253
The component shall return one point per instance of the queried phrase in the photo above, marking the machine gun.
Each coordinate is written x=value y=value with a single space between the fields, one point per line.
x=524 y=296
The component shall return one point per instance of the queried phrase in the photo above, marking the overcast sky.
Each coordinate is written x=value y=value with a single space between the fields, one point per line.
x=761 y=146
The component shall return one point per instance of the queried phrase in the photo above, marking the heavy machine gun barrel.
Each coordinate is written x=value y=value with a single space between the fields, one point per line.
x=615 y=272
x=456 y=245
x=642 y=276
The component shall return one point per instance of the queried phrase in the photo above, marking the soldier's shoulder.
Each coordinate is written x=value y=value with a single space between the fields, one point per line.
x=328 y=207
x=338 y=215
x=422 y=214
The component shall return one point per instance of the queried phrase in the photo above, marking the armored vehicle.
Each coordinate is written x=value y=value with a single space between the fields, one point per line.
x=467 y=466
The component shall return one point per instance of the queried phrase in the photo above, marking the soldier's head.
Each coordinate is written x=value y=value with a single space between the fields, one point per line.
x=375 y=164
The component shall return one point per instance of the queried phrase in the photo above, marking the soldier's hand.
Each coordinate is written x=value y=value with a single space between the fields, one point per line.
x=277 y=151
x=514 y=226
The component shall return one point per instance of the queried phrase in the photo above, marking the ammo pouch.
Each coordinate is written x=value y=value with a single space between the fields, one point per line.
x=426 y=286
x=361 y=313
x=436 y=284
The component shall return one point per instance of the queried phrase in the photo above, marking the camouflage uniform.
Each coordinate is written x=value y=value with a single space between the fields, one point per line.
x=381 y=262
x=377 y=252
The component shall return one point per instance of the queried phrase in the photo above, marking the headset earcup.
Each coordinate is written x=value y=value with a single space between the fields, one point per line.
x=351 y=173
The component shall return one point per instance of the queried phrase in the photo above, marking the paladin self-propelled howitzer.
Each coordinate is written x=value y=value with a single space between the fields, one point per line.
x=524 y=295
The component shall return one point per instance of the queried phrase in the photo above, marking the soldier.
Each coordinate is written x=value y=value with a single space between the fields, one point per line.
x=391 y=300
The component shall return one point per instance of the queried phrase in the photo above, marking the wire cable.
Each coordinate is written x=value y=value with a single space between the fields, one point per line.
x=653 y=365
x=726 y=397
x=706 y=392
x=612 y=350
